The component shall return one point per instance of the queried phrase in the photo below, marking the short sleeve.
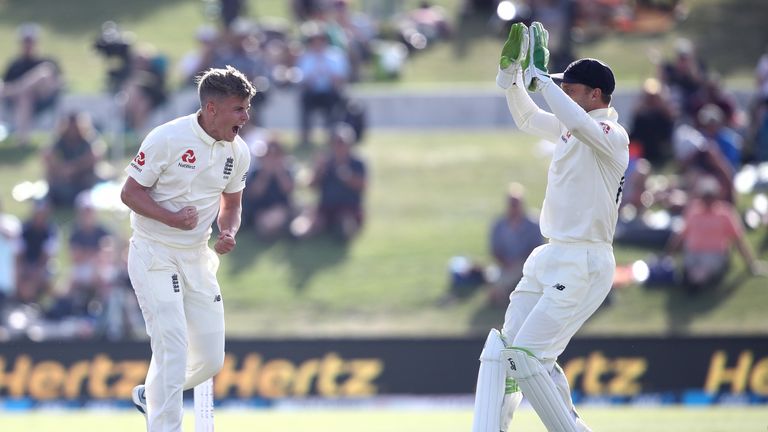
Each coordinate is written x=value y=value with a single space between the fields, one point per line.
x=150 y=161
x=242 y=163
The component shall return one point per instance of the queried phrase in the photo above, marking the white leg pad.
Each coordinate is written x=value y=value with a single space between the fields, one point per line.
x=540 y=390
x=495 y=397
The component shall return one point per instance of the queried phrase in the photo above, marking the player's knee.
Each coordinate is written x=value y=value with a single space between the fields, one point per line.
x=494 y=344
x=214 y=361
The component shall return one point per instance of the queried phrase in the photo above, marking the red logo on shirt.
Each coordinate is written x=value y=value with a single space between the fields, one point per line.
x=606 y=128
x=140 y=159
x=189 y=156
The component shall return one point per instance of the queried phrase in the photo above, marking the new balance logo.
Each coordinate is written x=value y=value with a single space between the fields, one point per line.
x=558 y=286
x=175 y=282
x=217 y=298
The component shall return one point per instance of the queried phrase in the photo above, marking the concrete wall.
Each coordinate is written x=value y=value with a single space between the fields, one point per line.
x=386 y=109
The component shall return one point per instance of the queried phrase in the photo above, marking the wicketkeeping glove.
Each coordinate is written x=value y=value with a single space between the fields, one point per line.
x=513 y=54
x=535 y=73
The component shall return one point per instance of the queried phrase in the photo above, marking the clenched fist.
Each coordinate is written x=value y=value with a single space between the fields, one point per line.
x=184 y=219
x=225 y=243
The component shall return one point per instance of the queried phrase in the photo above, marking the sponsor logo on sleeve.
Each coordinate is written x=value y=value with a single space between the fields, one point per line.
x=606 y=127
x=139 y=161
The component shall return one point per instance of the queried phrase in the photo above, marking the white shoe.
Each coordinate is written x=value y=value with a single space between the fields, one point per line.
x=139 y=399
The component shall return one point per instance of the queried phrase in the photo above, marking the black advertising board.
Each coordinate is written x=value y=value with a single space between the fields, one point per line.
x=611 y=369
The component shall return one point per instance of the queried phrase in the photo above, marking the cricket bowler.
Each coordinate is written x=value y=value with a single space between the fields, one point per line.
x=187 y=172
x=565 y=280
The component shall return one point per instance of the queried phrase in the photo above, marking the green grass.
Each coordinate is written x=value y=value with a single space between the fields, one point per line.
x=432 y=196
x=617 y=419
x=71 y=27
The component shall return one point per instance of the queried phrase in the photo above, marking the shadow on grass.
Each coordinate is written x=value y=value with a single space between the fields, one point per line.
x=683 y=308
x=311 y=256
x=13 y=155
x=306 y=258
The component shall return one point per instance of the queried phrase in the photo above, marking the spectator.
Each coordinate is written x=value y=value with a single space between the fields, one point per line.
x=38 y=245
x=267 y=199
x=684 y=76
x=713 y=93
x=424 y=25
x=652 y=123
x=356 y=31
x=513 y=237
x=711 y=227
x=557 y=16
x=205 y=57
x=88 y=282
x=759 y=112
x=145 y=89
x=10 y=230
x=712 y=122
x=340 y=178
x=695 y=156
x=243 y=52
x=31 y=84
x=325 y=72
x=70 y=162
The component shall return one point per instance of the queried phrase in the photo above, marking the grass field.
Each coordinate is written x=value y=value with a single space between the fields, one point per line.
x=70 y=28
x=432 y=196
x=619 y=419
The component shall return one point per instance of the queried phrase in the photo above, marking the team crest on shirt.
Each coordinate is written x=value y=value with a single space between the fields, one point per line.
x=188 y=159
x=606 y=127
x=228 y=165
x=139 y=161
x=566 y=137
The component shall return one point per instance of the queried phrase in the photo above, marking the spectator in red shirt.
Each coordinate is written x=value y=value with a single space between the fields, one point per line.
x=711 y=227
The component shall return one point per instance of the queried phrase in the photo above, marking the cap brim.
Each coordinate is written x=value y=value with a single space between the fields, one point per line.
x=557 y=76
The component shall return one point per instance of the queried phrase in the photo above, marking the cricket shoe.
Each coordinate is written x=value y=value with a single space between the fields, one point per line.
x=139 y=399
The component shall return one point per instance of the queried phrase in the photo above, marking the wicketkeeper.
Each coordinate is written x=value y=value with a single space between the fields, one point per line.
x=565 y=280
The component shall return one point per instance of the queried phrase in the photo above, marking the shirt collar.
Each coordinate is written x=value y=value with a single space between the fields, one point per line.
x=604 y=113
x=200 y=132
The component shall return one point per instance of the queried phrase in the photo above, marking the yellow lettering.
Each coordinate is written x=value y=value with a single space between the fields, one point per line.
x=130 y=374
x=304 y=377
x=330 y=369
x=758 y=381
x=244 y=381
x=45 y=380
x=363 y=372
x=101 y=369
x=73 y=384
x=597 y=365
x=15 y=381
x=275 y=378
x=720 y=375
x=627 y=370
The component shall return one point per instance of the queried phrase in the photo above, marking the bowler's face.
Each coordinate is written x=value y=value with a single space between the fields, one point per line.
x=229 y=115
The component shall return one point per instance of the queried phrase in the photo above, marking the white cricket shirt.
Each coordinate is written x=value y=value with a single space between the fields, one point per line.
x=586 y=173
x=184 y=166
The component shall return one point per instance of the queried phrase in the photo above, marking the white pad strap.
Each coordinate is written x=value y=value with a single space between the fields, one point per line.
x=540 y=390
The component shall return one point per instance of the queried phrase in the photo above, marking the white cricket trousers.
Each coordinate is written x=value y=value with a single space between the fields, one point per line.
x=184 y=313
x=563 y=284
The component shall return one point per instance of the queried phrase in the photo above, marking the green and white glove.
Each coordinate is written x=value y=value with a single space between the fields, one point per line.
x=535 y=73
x=514 y=52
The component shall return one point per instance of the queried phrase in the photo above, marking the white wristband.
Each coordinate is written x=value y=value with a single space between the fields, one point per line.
x=506 y=77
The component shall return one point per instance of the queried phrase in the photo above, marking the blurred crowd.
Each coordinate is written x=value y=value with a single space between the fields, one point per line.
x=695 y=150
